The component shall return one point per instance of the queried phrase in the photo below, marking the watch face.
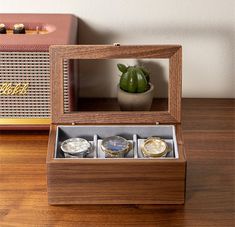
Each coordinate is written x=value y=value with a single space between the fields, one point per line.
x=115 y=144
x=154 y=147
x=75 y=145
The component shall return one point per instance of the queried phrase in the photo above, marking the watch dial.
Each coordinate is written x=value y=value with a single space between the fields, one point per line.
x=115 y=144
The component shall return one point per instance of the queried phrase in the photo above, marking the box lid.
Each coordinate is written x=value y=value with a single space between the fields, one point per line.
x=59 y=53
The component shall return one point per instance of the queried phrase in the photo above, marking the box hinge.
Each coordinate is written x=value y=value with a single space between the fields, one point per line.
x=117 y=44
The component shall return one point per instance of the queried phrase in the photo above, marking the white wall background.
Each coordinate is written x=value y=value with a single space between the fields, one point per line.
x=205 y=28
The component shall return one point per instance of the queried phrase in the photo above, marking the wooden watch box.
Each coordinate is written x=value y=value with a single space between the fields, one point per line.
x=130 y=180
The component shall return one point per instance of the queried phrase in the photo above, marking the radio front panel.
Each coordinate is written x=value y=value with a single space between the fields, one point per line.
x=25 y=87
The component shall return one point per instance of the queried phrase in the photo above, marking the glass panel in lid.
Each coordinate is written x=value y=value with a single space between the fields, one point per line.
x=116 y=84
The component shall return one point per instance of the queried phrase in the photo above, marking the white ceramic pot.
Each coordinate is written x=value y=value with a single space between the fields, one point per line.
x=135 y=101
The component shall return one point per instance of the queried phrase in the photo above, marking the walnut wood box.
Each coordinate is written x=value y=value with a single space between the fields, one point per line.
x=130 y=180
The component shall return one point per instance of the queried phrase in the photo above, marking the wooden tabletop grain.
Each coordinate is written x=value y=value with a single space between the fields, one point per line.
x=209 y=133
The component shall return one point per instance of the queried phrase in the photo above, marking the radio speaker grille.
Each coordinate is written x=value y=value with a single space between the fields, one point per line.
x=32 y=68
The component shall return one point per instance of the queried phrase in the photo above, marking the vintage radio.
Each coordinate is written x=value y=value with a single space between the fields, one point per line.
x=133 y=178
x=25 y=67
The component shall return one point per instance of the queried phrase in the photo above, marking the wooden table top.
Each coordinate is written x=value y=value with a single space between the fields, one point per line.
x=209 y=133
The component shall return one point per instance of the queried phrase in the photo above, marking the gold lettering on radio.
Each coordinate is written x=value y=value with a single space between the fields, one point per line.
x=8 y=88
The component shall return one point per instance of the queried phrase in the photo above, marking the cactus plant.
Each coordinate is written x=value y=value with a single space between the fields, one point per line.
x=134 y=79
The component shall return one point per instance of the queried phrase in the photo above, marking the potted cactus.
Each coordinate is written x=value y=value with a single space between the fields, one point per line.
x=135 y=92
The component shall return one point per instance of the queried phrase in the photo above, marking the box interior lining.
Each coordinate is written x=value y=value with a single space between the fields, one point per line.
x=135 y=135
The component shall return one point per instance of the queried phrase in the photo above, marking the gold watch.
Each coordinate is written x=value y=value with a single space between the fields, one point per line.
x=154 y=147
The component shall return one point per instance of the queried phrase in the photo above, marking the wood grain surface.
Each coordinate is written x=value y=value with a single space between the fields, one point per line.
x=209 y=135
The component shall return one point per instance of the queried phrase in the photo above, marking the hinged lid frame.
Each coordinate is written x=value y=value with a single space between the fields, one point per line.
x=59 y=53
